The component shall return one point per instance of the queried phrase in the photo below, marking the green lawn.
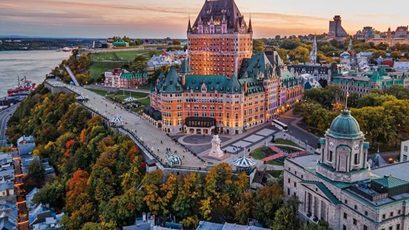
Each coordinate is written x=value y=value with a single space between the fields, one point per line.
x=261 y=153
x=97 y=69
x=285 y=142
x=279 y=162
x=102 y=62
x=122 y=55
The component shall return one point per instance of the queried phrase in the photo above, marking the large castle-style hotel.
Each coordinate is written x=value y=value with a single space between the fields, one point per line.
x=222 y=87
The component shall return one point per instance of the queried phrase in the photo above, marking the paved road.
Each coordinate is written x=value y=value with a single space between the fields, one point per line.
x=298 y=132
x=4 y=118
x=157 y=140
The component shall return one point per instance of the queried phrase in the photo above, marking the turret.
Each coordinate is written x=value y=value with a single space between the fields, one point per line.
x=224 y=25
x=250 y=30
x=200 y=26
x=211 y=26
x=189 y=27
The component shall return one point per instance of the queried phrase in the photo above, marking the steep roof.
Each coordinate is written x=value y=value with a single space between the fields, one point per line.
x=216 y=9
x=212 y=83
x=170 y=83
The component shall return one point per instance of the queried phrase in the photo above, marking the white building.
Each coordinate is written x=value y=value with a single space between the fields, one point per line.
x=401 y=66
x=404 y=151
x=339 y=187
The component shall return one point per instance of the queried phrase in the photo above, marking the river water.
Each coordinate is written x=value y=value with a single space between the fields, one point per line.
x=32 y=64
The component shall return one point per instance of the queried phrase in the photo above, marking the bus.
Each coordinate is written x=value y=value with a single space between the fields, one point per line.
x=280 y=125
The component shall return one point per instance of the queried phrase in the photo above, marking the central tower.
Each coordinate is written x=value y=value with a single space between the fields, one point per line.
x=219 y=39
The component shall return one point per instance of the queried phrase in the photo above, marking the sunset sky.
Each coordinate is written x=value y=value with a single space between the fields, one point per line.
x=162 y=18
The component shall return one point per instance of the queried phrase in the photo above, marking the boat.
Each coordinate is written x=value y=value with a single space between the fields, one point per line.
x=24 y=88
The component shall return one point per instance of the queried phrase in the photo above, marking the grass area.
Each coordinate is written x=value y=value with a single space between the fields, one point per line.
x=97 y=69
x=102 y=62
x=122 y=55
x=279 y=162
x=286 y=142
x=261 y=153
x=275 y=174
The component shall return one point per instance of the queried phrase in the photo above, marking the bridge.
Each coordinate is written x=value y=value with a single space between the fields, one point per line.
x=154 y=143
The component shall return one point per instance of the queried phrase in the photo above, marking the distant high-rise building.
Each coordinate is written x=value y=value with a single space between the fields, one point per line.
x=219 y=39
x=336 y=31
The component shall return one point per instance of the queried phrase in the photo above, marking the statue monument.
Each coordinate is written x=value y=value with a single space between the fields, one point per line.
x=216 y=151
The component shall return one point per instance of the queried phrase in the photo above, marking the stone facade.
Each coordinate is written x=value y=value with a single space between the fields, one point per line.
x=338 y=187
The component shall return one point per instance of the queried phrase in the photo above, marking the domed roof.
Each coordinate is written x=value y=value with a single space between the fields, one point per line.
x=345 y=126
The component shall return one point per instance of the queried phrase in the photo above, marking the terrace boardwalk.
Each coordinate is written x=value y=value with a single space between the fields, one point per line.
x=154 y=140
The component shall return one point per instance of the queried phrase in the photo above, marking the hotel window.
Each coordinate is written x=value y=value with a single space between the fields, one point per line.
x=356 y=159
x=354 y=221
x=366 y=213
x=383 y=216
x=345 y=215
x=391 y=214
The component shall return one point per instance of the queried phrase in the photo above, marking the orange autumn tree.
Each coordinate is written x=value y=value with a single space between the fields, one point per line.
x=68 y=146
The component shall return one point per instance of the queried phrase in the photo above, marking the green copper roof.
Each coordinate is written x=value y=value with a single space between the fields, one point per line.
x=211 y=83
x=325 y=190
x=345 y=126
x=389 y=182
x=133 y=75
x=170 y=83
x=119 y=43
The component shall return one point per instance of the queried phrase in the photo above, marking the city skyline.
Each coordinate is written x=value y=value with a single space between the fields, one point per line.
x=156 y=19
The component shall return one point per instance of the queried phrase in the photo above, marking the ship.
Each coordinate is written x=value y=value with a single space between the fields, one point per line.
x=24 y=88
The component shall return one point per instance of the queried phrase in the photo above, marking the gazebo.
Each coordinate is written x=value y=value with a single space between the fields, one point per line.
x=244 y=164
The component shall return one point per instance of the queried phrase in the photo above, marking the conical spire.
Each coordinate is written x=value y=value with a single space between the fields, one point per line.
x=250 y=30
x=189 y=27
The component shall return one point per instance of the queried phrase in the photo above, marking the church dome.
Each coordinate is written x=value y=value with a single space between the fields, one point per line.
x=345 y=126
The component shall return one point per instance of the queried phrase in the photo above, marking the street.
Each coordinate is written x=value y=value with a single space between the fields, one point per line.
x=293 y=129
x=4 y=118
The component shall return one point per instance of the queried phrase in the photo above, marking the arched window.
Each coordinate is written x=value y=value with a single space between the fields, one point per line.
x=356 y=159
x=330 y=156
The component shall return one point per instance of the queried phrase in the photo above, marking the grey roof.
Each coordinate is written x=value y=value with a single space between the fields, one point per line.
x=204 y=225
x=306 y=161
x=216 y=10
x=398 y=170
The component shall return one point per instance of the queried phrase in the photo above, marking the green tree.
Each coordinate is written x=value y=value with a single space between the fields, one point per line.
x=267 y=201
x=286 y=216
x=52 y=194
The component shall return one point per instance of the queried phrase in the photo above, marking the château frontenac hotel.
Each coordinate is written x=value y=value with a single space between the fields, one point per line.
x=223 y=86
